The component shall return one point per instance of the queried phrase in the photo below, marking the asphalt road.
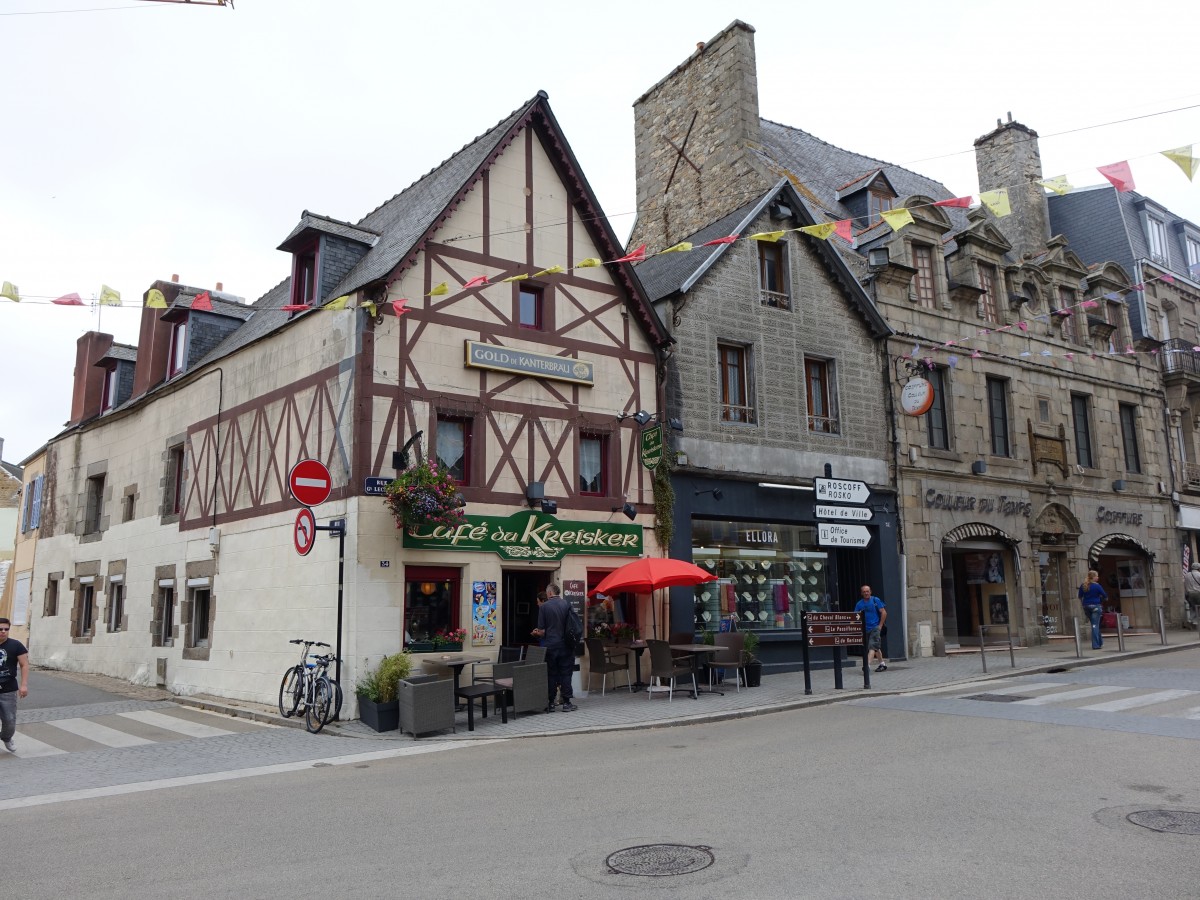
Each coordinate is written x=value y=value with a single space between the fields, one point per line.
x=855 y=800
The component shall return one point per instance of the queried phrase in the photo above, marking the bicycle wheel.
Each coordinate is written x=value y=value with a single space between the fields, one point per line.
x=321 y=709
x=337 y=697
x=290 y=691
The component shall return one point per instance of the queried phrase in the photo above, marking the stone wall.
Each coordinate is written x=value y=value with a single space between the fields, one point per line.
x=1008 y=157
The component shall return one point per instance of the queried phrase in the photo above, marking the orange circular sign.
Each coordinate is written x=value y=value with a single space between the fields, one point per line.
x=916 y=396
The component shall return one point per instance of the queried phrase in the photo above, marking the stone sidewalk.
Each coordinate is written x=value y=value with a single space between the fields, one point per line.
x=621 y=710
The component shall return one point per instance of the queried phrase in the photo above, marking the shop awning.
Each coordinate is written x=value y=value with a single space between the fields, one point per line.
x=1117 y=538
x=975 y=530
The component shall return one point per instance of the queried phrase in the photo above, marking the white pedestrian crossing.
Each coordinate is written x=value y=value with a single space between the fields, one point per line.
x=174 y=723
x=31 y=748
x=1139 y=700
x=1059 y=696
x=101 y=734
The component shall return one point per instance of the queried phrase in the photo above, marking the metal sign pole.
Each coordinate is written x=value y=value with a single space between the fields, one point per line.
x=338 y=527
x=866 y=656
x=804 y=652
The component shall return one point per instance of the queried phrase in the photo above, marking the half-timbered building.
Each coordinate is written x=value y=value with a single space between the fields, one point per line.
x=477 y=320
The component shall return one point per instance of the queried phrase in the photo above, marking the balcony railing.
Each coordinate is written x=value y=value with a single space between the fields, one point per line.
x=1178 y=358
x=775 y=299
x=744 y=414
x=1192 y=472
x=823 y=424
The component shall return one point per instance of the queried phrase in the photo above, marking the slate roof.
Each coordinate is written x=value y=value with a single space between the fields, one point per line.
x=324 y=224
x=670 y=273
x=14 y=470
x=120 y=353
x=222 y=304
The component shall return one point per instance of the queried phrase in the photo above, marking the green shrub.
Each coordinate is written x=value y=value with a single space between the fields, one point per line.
x=381 y=684
x=751 y=644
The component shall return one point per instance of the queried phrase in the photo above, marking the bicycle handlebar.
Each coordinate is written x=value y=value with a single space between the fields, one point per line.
x=308 y=643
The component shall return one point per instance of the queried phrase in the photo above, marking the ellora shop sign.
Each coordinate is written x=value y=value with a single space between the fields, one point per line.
x=528 y=535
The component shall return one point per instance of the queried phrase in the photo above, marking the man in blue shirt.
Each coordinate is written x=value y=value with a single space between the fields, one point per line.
x=874 y=615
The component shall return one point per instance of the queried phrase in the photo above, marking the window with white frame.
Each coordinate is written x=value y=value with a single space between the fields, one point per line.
x=112 y=380
x=200 y=594
x=178 y=359
x=85 y=608
x=1156 y=237
x=453 y=446
x=116 y=602
x=593 y=460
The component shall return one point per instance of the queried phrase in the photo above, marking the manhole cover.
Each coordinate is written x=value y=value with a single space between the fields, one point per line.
x=1168 y=821
x=998 y=698
x=660 y=859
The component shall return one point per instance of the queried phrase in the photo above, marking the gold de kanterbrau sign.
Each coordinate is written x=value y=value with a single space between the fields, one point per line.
x=528 y=362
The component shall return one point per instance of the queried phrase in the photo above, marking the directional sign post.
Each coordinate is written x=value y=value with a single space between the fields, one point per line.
x=836 y=630
x=837 y=490
x=845 y=513
x=310 y=482
x=830 y=534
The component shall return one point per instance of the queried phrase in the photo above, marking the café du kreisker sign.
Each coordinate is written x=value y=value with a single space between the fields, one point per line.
x=528 y=535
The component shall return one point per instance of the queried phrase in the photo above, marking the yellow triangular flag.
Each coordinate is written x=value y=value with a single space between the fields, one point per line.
x=897 y=218
x=109 y=297
x=371 y=308
x=553 y=270
x=1058 y=184
x=514 y=278
x=339 y=303
x=771 y=236
x=997 y=202
x=590 y=263
x=824 y=231
x=1182 y=157
x=155 y=299
x=438 y=291
x=10 y=291
x=681 y=247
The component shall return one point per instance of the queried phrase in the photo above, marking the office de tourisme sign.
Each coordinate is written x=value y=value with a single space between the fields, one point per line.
x=528 y=535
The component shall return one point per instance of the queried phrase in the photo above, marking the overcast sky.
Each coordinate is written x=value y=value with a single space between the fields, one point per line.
x=143 y=139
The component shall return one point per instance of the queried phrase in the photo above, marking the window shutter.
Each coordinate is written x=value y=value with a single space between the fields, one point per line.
x=36 y=518
x=26 y=501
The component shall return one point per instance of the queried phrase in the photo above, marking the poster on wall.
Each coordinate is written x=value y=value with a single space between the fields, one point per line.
x=1131 y=578
x=999 y=609
x=483 y=613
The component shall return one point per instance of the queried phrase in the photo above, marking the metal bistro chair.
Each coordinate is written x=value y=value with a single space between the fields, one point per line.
x=600 y=662
x=505 y=655
x=730 y=655
x=663 y=665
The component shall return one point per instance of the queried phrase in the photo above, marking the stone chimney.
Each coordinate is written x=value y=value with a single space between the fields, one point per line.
x=154 y=339
x=1008 y=157
x=713 y=94
x=88 y=392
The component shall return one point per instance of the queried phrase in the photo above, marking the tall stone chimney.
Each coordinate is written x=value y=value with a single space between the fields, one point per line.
x=707 y=107
x=1008 y=157
x=88 y=392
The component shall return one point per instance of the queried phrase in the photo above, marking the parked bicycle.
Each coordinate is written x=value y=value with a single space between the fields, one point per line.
x=308 y=683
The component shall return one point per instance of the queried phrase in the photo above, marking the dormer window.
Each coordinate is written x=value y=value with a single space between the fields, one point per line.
x=879 y=201
x=304 y=280
x=111 y=382
x=178 y=361
x=1156 y=237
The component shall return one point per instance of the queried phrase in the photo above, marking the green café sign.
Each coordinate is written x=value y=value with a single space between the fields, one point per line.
x=652 y=447
x=528 y=535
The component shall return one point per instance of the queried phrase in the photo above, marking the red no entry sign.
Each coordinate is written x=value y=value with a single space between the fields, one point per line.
x=304 y=532
x=309 y=482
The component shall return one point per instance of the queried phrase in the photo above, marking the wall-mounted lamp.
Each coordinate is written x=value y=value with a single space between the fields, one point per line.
x=629 y=509
x=644 y=418
x=400 y=459
x=717 y=493
x=550 y=507
x=979 y=467
x=1119 y=485
x=877 y=258
x=535 y=492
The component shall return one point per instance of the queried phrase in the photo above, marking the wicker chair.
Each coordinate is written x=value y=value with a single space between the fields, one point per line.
x=426 y=704
x=505 y=655
x=526 y=683
x=535 y=654
x=601 y=662
x=730 y=655
x=663 y=665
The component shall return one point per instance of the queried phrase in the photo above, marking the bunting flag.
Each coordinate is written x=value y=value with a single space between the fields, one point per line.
x=476 y=282
x=553 y=270
x=766 y=236
x=72 y=300
x=844 y=230
x=1167 y=277
x=371 y=308
x=440 y=291
x=637 y=255
x=1088 y=304
x=295 y=307
x=997 y=202
x=897 y=218
x=728 y=239
x=339 y=303
x=681 y=247
x=824 y=231
x=1119 y=174
x=154 y=299
x=203 y=302
x=512 y=278
x=109 y=297
x=10 y=291
x=1058 y=184
x=590 y=263
x=956 y=202
x=1182 y=157
x=400 y=307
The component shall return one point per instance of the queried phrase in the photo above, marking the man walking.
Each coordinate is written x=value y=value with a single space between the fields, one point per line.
x=874 y=613
x=560 y=658
x=13 y=657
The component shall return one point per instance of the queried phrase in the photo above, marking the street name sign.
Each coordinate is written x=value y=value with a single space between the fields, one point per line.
x=830 y=534
x=310 y=482
x=374 y=486
x=848 y=513
x=837 y=490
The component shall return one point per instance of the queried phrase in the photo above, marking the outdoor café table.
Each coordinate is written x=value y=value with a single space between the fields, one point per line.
x=697 y=651
x=454 y=661
x=638 y=647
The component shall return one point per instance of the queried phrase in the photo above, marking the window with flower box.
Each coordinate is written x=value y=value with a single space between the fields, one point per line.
x=453 y=443
x=431 y=601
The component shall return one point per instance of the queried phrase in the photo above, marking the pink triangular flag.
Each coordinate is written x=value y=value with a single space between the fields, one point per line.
x=1120 y=176
x=1023 y=326
x=843 y=230
x=1130 y=351
x=976 y=355
x=476 y=281
x=68 y=300
x=1167 y=277
x=203 y=302
x=958 y=202
x=635 y=256
x=728 y=239
x=295 y=307
x=400 y=307
x=1069 y=355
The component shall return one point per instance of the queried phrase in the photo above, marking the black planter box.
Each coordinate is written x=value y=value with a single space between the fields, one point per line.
x=754 y=674
x=379 y=716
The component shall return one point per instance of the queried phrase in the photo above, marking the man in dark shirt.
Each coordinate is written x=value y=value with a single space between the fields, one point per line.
x=560 y=659
x=13 y=657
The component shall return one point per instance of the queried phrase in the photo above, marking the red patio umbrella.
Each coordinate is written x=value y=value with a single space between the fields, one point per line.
x=645 y=575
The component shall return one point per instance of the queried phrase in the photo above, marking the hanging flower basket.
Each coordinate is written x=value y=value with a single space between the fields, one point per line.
x=424 y=495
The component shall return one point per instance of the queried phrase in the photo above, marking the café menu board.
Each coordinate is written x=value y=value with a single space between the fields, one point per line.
x=575 y=593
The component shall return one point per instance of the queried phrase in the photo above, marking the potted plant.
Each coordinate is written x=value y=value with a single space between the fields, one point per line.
x=624 y=632
x=424 y=495
x=377 y=690
x=450 y=639
x=753 y=663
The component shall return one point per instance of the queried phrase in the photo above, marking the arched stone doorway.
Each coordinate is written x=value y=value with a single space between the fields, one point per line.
x=1054 y=538
x=1126 y=571
x=981 y=570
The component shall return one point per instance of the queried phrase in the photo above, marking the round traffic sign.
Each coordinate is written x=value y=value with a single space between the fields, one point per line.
x=310 y=482
x=304 y=532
